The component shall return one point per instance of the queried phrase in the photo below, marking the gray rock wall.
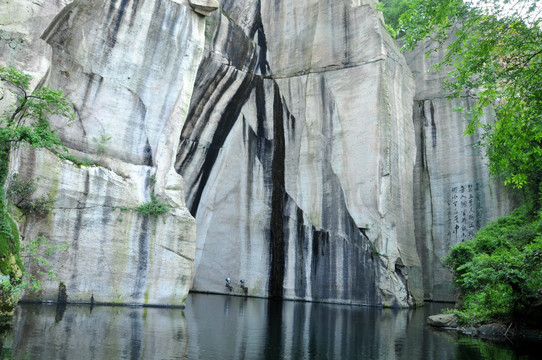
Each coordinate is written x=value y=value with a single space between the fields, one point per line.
x=279 y=132
x=298 y=154
x=453 y=193
x=129 y=68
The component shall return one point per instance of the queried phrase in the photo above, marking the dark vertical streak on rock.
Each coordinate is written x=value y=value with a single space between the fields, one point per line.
x=93 y=87
x=114 y=19
x=135 y=7
x=155 y=39
x=291 y=124
x=143 y=259
x=423 y=123
x=320 y=264
x=300 y=251
x=79 y=222
x=250 y=140
x=258 y=30
x=80 y=213
x=277 y=244
x=347 y=290
x=264 y=145
x=113 y=34
x=111 y=11
x=206 y=86
x=229 y=116
x=433 y=125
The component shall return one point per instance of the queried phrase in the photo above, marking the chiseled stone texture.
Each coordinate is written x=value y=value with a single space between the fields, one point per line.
x=129 y=68
x=454 y=194
x=298 y=155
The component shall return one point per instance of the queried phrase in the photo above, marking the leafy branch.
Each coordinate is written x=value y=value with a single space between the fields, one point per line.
x=25 y=122
x=494 y=50
x=37 y=253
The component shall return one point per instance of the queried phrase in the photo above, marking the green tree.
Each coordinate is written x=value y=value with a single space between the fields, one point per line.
x=498 y=272
x=392 y=10
x=26 y=122
x=495 y=50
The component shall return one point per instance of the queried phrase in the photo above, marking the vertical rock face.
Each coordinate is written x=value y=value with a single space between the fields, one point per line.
x=129 y=68
x=454 y=194
x=298 y=155
x=287 y=142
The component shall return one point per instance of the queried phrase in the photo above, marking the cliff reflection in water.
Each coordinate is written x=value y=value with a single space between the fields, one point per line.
x=266 y=329
x=222 y=327
x=102 y=332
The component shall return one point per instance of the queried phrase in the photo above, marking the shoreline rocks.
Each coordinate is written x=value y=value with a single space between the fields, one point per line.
x=492 y=331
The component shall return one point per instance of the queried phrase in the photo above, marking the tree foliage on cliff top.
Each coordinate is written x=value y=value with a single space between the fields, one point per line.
x=392 y=11
x=495 y=49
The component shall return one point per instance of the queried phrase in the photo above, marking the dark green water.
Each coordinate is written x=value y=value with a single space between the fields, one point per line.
x=223 y=327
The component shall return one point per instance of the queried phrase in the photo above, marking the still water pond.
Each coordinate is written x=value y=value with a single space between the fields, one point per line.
x=223 y=327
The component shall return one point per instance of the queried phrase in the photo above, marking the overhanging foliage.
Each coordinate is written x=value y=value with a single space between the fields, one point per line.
x=495 y=50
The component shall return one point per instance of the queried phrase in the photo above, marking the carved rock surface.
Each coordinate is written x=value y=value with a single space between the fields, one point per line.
x=129 y=68
x=454 y=194
x=298 y=154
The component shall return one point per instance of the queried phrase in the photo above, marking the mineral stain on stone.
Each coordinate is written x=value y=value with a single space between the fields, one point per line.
x=142 y=259
x=277 y=243
x=230 y=114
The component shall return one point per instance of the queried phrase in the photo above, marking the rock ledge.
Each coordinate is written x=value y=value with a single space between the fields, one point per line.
x=204 y=7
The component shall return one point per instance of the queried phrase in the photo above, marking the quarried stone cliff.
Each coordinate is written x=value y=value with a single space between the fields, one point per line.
x=279 y=133
x=454 y=195
x=298 y=155
x=129 y=68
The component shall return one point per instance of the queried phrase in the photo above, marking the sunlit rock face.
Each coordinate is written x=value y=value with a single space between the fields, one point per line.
x=129 y=68
x=298 y=155
x=282 y=134
x=453 y=193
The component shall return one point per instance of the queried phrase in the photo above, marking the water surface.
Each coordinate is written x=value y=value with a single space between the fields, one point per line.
x=224 y=327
